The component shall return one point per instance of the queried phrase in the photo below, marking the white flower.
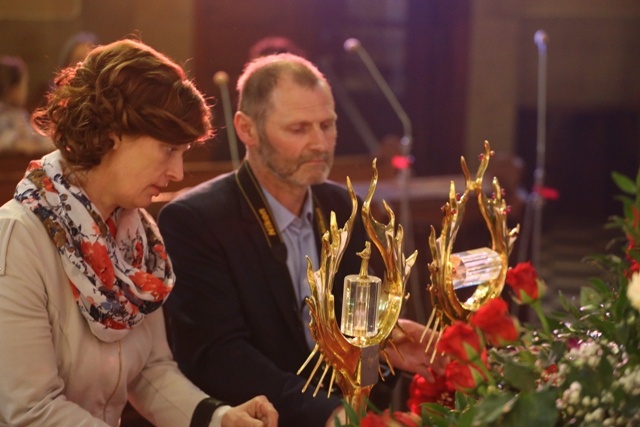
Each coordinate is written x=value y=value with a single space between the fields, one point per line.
x=573 y=393
x=633 y=291
x=596 y=415
x=588 y=353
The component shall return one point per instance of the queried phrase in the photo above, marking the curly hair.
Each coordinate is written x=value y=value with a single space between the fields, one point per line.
x=123 y=88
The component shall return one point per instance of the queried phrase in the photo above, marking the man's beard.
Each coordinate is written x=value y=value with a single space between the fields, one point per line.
x=288 y=171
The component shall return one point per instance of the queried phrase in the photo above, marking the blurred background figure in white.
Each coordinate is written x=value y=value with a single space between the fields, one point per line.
x=16 y=133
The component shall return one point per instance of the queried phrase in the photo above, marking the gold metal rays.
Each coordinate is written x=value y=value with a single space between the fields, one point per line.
x=355 y=362
x=447 y=308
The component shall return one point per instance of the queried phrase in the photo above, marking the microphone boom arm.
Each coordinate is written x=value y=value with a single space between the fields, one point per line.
x=221 y=79
x=355 y=46
x=404 y=172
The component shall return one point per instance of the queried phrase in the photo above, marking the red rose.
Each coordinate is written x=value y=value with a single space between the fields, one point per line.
x=461 y=342
x=493 y=319
x=373 y=420
x=422 y=391
x=550 y=375
x=523 y=279
x=405 y=419
x=465 y=377
x=635 y=213
x=632 y=251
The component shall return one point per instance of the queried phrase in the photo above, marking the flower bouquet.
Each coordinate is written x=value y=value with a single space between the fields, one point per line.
x=579 y=367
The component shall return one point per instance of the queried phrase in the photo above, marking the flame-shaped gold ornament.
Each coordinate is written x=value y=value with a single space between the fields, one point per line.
x=354 y=361
x=447 y=308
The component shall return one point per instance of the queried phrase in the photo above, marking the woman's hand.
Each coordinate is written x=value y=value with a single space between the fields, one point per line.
x=257 y=412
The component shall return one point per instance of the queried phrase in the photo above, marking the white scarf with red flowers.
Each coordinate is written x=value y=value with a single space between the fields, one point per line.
x=118 y=269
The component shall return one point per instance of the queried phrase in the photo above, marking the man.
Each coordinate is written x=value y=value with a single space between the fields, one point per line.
x=238 y=244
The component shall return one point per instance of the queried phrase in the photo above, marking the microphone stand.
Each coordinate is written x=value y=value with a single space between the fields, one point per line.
x=359 y=123
x=404 y=173
x=533 y=210
x=221 y=79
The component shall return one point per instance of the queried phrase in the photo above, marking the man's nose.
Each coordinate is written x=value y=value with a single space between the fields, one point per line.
x=320 y=140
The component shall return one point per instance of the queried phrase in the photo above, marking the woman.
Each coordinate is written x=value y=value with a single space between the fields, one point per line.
x=16 y=133
x=83 y=271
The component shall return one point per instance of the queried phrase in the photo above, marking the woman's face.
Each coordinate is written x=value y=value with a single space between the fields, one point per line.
x=133 y=172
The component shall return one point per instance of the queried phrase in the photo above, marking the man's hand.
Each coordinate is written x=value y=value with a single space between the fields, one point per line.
x=340 y=414
x=412 y=357
x=257 y=412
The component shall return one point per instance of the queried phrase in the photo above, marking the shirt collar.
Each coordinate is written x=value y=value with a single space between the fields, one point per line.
x=283 y=216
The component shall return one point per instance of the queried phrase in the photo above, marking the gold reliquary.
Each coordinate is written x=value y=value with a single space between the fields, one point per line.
x=352 y=351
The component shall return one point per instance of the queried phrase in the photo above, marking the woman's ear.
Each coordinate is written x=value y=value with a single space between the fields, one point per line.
x=117 y=141
x=245 y=129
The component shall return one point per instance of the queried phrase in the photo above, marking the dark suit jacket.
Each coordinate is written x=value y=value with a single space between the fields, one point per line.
x=235 y=327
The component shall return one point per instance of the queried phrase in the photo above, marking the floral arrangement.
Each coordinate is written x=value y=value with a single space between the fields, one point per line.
x=580 y=367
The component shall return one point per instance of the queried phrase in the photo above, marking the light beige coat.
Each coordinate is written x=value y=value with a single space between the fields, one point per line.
x=53 y=371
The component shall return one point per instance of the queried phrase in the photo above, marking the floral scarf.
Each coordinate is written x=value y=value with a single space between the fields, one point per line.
x=118 y=269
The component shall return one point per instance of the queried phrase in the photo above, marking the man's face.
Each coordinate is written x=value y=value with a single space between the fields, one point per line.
x=298 y=138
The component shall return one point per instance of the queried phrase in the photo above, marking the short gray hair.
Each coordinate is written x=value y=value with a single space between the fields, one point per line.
x=260 y=77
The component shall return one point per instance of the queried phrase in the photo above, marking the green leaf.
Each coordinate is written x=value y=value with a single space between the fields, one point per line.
x=558 y=349
x=568 y=305
x=466 y=419
x=589 y=297
x=600 y=286
x=436 y=422
x=492 y=407
x=522 y=377
x=437 y=416
x=536 y=409
x=435 y=409
x=463 y=401
x=351 y=414
x=619 y=307
x=607 y=327
x=624 y=183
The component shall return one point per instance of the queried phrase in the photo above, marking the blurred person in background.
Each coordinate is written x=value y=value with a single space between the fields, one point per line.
x=76 y=48
x=17 y=135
